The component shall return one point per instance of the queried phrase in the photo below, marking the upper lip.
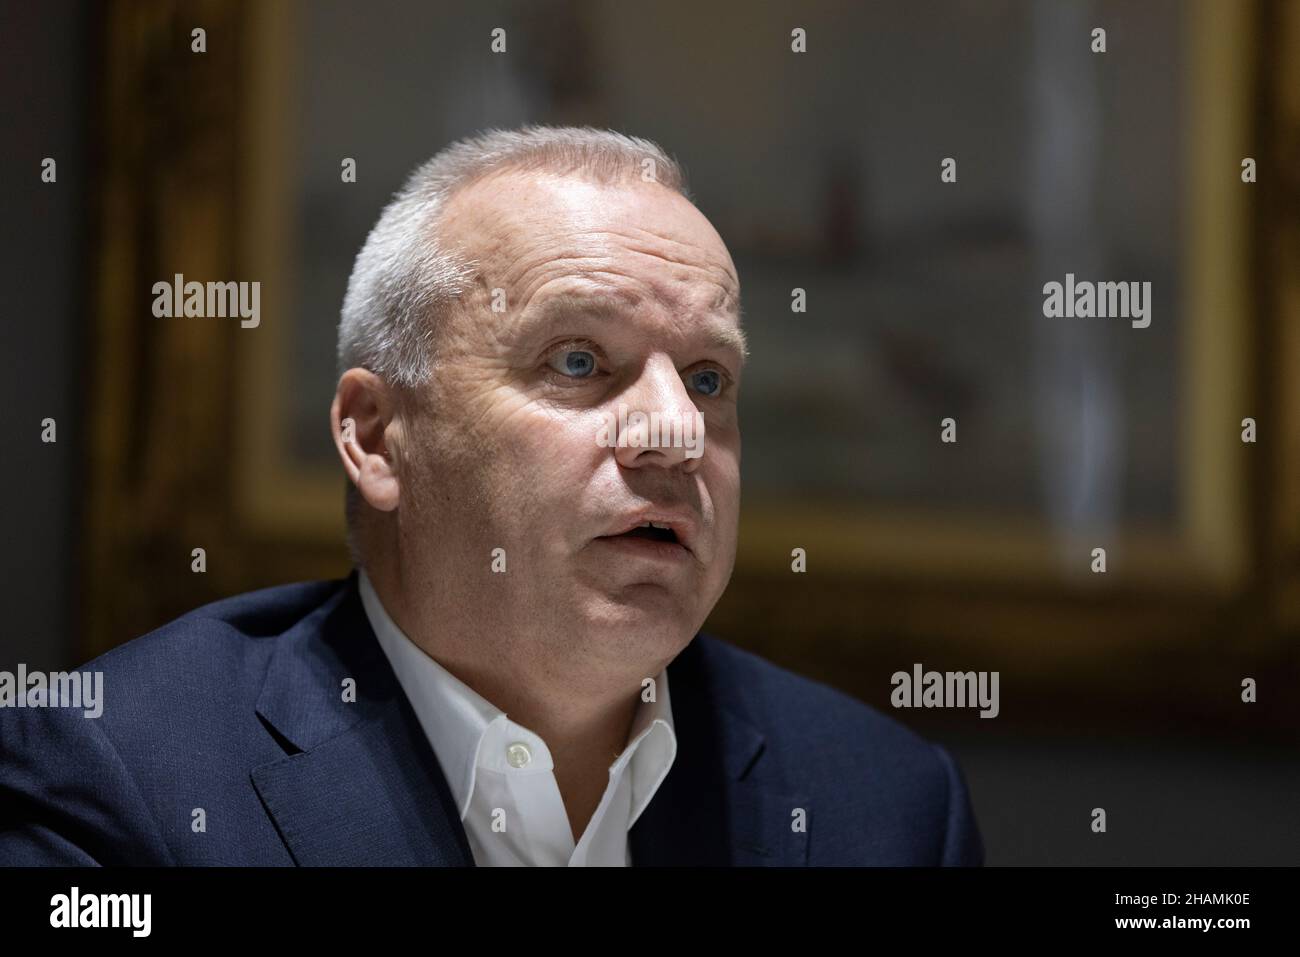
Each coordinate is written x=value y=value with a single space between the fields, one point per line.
x=680 y=520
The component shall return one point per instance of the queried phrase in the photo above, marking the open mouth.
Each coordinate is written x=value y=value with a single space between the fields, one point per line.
x=663 y=536
x=651 y=531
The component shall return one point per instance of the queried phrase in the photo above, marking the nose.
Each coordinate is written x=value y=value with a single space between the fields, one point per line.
x=659 y=424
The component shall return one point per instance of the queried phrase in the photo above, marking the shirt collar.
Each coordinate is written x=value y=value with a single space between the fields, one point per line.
x=456 y=718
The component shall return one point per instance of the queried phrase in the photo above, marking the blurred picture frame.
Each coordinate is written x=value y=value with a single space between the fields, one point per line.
x=215 y=467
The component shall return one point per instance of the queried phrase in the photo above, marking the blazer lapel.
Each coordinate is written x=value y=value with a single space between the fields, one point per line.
x=721 y=804
x=359 y=784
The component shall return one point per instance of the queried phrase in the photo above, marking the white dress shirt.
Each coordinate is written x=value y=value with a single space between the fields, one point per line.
x=501 y=774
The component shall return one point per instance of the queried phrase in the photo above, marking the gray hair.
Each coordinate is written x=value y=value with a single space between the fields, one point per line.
x=404 y=279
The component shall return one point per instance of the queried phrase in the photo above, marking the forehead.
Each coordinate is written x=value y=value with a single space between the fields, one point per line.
x=526 y=230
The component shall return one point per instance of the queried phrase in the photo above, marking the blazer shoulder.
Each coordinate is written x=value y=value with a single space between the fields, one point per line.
x=173 y=718
x=197 y=678
x=218 y=632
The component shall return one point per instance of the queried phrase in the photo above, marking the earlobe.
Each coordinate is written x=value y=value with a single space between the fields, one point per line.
x=361 y=418
x=378 y=482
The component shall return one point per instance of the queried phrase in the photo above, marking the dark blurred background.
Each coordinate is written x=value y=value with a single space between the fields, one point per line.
x=924 y=301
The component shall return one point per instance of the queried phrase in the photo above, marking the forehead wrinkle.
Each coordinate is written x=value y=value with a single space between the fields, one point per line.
x=694 y=259
x=581 y=245
x=602 y=302
x=607 y=302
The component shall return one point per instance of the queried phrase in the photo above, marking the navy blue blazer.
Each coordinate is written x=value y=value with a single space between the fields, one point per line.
x=238 y=709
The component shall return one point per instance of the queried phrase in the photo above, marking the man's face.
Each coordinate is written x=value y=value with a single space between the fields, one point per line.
x=591 y=300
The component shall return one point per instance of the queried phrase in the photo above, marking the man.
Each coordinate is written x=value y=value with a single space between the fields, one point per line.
x=514 y=674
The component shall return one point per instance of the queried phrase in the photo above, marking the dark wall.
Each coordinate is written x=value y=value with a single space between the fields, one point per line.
x=43 y=69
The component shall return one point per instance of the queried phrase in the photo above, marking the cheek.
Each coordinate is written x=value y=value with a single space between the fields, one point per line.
x=721 y=468
x=554 y=443
x=721 y=478
x=546 y=460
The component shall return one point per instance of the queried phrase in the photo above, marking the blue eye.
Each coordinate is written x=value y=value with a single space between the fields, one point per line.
x=578 y=363
x=708 y=381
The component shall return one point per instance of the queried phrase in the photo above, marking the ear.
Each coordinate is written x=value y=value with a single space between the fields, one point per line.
x=367 y=430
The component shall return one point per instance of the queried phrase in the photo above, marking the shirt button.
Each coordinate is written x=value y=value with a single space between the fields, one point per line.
x=518 y=755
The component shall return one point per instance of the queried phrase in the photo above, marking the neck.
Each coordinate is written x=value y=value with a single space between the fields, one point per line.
x=585 y=717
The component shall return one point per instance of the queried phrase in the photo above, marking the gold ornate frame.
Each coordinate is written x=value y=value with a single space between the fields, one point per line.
x=183 y=417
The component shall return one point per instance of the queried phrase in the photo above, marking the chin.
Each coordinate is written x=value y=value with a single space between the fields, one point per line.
x=650 y=612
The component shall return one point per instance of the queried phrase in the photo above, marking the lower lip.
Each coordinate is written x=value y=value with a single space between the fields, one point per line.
x=647 y=548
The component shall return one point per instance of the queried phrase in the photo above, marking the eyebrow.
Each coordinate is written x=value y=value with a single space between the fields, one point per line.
x=730 y=338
